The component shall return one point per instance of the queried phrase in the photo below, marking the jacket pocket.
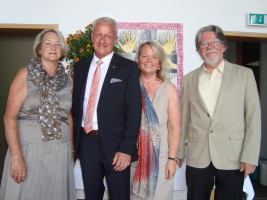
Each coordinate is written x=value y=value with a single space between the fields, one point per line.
x=192 y=146
x=235 y=146
x=238 y=135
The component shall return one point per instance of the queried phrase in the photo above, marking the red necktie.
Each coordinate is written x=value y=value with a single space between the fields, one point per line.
x=88 y=124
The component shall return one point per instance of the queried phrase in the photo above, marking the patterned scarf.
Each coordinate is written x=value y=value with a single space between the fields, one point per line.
x=49 y=116
x=146 y=175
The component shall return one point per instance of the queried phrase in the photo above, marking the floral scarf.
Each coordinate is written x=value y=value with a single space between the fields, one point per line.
x=49 y=116
x=146 y=175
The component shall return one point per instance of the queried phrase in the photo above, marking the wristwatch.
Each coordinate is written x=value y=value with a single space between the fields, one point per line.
x=170 y=158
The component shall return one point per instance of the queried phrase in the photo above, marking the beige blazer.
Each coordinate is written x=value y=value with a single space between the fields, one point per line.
x=233 y=134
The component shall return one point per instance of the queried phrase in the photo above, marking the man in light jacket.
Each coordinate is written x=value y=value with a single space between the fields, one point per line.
x=222 y=118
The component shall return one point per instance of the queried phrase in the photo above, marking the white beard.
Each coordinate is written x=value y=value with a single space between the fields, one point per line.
x=214 y=62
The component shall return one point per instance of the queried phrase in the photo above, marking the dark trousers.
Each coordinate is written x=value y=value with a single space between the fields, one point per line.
x=200 y=182
x=95 y=167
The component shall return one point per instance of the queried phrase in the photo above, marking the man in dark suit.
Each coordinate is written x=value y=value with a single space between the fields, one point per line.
x=106 y=144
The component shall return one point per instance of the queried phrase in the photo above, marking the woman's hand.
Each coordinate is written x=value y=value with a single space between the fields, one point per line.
x=16 y=98
x=170 y=169
x=18 y=169
x=174 y=128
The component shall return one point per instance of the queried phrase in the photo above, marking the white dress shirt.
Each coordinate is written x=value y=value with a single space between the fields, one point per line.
x=104 y=68
x=210 y=86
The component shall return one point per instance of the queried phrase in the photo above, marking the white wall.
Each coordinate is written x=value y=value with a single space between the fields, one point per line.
x=230 y=15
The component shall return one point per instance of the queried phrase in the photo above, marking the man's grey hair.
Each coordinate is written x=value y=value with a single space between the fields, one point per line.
x=106 y=19
x=210 y=28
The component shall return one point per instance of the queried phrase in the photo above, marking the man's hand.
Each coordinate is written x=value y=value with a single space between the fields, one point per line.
x=247 y=168
x=121 y=161
x=168 y=44
x=128 y=46
x=170 y=169
x=73 y=160
x=180 y=162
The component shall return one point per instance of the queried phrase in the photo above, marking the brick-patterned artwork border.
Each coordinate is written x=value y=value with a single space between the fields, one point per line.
x=163 y=33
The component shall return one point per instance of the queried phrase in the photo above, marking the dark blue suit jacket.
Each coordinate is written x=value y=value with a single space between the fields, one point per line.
x=118 y=109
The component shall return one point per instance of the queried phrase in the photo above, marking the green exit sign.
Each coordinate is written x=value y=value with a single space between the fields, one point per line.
x=257 y=19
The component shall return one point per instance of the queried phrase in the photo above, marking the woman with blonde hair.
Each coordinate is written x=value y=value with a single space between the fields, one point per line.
x=152 y=176
x=38 y=126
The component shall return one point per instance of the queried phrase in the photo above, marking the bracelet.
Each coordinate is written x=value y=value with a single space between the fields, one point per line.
x=15 y=157
x=72 y=151
x=170 y=158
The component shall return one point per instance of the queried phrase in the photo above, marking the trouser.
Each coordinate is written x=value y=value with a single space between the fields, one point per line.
x=95 y=167
x=200 y=182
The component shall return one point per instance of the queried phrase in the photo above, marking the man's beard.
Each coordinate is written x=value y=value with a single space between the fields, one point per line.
x=213 y=62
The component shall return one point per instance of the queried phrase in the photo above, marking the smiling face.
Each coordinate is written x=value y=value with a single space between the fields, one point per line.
x=148 y=61
x=104 y=39
x=50 y=48
x=211 y=50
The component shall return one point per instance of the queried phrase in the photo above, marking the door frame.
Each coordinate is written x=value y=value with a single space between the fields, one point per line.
x=26 y=28
x=245 y=37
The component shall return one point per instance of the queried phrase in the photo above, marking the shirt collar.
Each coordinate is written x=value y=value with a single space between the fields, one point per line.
x=106 y=60
x=220 y=68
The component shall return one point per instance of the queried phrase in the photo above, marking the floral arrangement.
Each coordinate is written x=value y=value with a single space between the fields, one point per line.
x=81 y=47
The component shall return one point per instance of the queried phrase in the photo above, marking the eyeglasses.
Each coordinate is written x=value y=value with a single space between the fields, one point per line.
x=213 y=43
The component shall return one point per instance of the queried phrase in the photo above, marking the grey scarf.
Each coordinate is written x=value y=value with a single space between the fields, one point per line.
x=49 y=116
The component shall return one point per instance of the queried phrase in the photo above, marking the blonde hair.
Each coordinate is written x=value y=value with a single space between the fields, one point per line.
x=158 y=50
x=39 y=39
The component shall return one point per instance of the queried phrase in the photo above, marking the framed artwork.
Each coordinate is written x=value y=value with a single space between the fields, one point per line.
x=168 y=35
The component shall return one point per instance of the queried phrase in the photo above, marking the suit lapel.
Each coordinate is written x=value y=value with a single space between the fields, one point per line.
x=196 y=88
x=112 y=70
x=228 y=75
